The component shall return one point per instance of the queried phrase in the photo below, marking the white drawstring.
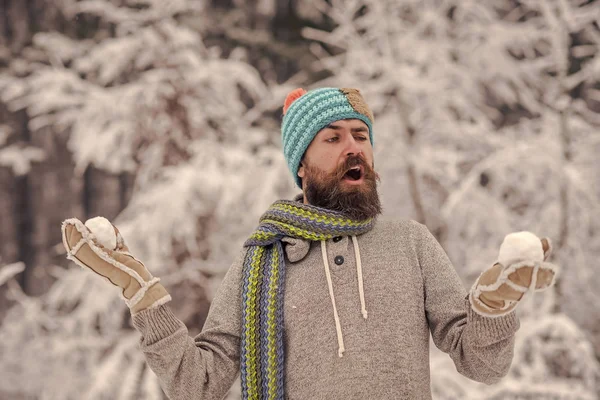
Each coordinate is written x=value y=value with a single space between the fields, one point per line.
x=338 y=328
x=361 y=293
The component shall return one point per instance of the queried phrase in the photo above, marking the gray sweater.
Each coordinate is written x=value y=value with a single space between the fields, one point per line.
x=409 y=287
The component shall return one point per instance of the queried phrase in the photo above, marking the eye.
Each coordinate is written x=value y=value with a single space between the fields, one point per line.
x=333 y=139
x=361 y=138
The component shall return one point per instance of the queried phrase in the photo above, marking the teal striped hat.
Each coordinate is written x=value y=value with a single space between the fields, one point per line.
x=306 y=113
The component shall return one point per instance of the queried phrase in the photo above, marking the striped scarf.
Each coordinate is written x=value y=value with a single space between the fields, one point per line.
x=262 y=353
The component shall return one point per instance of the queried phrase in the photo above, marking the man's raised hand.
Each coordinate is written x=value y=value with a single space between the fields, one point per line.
x=521 y=269
x=116 y=265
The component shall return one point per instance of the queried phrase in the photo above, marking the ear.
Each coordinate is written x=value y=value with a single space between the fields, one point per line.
x=301 y=171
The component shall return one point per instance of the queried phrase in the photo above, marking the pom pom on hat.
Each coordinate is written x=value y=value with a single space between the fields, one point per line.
x=291 y=97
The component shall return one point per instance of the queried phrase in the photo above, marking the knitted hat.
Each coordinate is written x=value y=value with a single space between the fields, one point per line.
x=306 y=113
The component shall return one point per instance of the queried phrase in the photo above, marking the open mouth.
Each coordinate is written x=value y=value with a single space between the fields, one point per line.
x=354 y=174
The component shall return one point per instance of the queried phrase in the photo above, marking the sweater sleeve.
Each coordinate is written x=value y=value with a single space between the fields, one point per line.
x=203 y=367
x=481 y=347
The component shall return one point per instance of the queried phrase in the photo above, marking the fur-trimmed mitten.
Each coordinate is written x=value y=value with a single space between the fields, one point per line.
x=521 y=268
x=98 y=245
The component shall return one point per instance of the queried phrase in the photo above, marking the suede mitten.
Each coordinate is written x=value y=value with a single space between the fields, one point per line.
x=118 y=266
x=521 y=269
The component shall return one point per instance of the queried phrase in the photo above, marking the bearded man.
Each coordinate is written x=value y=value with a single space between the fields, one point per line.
x=325 y=301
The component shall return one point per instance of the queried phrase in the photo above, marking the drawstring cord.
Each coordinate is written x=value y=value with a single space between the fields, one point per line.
x=338 y=327
x=363 y=308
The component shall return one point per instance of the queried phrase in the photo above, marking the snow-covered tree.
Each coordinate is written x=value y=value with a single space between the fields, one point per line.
x=152 y=100
x=486 y=124
x=17 y=157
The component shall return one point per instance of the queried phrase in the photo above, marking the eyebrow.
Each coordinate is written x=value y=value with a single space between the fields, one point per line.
x=354 y=130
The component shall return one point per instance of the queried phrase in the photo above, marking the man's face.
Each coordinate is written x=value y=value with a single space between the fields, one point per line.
x=337 y=170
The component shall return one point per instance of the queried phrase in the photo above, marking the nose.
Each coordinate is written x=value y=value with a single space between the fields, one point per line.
x=353 y=147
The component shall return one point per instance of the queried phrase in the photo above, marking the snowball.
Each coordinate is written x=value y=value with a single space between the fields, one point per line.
x=520 y=246
x=104 y=231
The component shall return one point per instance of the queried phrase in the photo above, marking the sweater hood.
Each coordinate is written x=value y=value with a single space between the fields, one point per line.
x=296 y=249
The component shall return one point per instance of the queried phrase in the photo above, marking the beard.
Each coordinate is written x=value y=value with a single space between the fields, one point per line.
x=327 y=190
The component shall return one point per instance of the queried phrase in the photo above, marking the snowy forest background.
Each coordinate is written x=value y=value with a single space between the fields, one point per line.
x=163 y=115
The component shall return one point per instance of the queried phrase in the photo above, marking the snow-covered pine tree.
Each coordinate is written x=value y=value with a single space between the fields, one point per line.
x=17 y=157
x=463 y=84
x=486 y=119
x=146 y=96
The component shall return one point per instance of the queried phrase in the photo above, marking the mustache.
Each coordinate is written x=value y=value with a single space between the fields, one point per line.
x=354 y=161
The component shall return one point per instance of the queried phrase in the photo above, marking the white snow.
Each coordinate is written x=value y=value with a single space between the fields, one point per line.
x=520 y=246
x=9 y=271
x=20 y=158
x=104 y=231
